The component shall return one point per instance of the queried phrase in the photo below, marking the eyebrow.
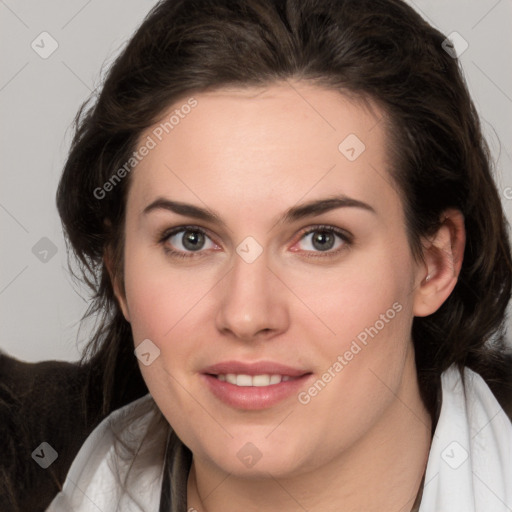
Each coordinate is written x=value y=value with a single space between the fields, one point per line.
x=309 y=209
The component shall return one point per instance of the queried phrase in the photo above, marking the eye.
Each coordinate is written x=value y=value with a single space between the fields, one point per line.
x=192 y=241
x=186 y=240
x=326 y=239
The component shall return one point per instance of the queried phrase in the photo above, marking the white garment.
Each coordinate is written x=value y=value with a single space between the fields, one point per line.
x=470 y=462
x=469 y=467
x=100 y=478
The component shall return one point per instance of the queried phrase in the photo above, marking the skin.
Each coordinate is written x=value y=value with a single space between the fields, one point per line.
x=250 y=154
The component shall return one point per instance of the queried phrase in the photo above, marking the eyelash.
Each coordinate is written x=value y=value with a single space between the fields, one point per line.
x=345 y=237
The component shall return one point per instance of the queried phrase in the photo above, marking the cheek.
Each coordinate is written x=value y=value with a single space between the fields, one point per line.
x=356 y=297
x=157 y=297
x=362 y=371
x=161 y=307
x=364 y=333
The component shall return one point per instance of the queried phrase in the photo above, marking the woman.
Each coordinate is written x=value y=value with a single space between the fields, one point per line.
x=287 y=210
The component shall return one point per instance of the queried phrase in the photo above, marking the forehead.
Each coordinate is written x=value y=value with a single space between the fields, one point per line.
x=256 y=145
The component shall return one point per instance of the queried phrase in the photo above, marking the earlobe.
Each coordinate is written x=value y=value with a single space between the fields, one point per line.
x=443 y=255
x=118 y=292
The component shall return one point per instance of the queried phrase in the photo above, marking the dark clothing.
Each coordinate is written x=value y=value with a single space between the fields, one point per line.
x=43 y=402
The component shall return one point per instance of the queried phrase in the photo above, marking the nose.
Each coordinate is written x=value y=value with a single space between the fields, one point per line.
x=253 y=303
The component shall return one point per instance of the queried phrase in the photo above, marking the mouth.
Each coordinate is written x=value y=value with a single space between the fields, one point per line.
x=244 y=380
x=253 y=386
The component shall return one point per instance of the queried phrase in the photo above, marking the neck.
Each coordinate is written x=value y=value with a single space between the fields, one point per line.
x=382 y=472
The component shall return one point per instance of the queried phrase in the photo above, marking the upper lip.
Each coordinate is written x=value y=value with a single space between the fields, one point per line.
x=258 y=368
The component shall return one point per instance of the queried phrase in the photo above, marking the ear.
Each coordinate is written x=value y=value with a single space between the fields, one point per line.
x=114 y=279
x=443 y=254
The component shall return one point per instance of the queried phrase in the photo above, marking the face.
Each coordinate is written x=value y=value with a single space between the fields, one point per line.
x=266 y=260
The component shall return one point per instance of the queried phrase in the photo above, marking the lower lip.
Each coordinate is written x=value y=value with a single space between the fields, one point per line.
x=254 y=397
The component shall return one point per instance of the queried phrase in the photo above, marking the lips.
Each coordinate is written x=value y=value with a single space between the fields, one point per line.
x=253 y=385
x=259 y=368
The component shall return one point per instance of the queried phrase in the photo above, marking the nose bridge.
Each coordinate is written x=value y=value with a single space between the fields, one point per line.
x=251 y=302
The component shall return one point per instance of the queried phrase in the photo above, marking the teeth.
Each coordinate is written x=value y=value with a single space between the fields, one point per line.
x=253 y=380
x=264 y=380
x=243 y=380
x=275 y=379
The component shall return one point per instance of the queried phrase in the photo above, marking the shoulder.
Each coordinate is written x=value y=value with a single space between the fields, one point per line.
x=471 y=448
x=123 y=457
x=39 y=402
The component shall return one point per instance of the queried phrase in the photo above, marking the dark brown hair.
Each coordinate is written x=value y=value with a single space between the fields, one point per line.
x=377 y=49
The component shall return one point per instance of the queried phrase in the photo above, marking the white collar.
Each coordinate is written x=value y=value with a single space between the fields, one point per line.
x=469 y=467
x=470 y=462
x=120 y=465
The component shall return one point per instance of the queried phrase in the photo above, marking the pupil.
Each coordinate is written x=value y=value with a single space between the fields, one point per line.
x=323 y=240
x=193 y=240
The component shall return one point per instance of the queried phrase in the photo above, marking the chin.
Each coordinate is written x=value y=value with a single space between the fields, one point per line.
x=256 y=459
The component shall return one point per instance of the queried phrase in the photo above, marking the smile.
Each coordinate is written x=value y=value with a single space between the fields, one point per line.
x=253 y=380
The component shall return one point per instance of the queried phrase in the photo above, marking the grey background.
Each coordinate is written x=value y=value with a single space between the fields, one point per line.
x=40 y=306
